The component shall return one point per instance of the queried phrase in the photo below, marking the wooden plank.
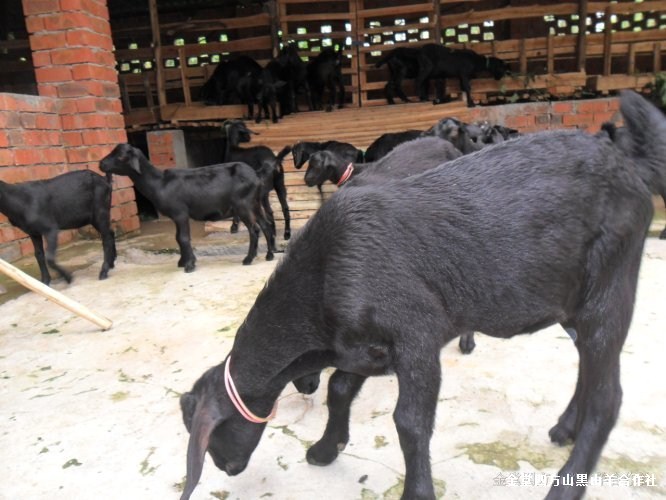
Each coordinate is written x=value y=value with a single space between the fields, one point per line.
x=550 y=56
x=401 y=10
x=509 y=13
x=656 y=61
x=631 y=59
x=182 y=58
x=197 y=111
x=602 y=83
x=401 y=28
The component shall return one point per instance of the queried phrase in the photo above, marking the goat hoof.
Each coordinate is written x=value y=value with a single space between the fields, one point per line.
x=67 y=278
x=247 y=261
x=103 y=276
x=662 y=236
x=269 y=256
x=234 y=228
x=561 y=435
x=322 y=454
x=287 y=235
x=466 y=344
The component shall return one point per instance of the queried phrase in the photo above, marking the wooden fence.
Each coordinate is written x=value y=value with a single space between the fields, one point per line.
x=556 y=49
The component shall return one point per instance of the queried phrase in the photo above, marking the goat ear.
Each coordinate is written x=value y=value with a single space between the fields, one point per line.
x=135 y=164
x=206 y=417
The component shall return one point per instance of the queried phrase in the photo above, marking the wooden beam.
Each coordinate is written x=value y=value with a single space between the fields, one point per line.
x=182 y=60
x=631 y=59
x=550 y=56
x=157 y=50
x=582 y=37
x=656 y=61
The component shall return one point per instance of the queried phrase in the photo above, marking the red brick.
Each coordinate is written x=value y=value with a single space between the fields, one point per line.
x=98 y=136
x=29 y=120
x=94 y=72
x=70 y=89
x=41 y=58
x=34 y=24
x=31 y=7
x=562 y=107
x=53 y=74
x=130 y=225
x=9 y=119
x=519 y=121
x=115 y=121
x=29 y=156
x=55 y=155
x=4 y=139
x=83 y=121
x=580 y=121
x=121 y=196
x=86 y=38
x=613 y=104
x=6 y=158
x=89 y=6
x=595 y=106
x=50 y=122
x=116 y=214
x=44 y=41
x=73 y=20
x=47 y=90
x=76 y=55
x=12 y=175
x=67 y=107
x=86 y=154
x=26 y=247
x=72 y=139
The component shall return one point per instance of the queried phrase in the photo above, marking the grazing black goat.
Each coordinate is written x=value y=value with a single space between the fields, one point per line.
x=232 y=81
x=68 y=201
x=325 y=73
x=437 y=62
x=266 y=164
x=386 y=142
x=402 y=62
x=205 y=193
x=509 y=240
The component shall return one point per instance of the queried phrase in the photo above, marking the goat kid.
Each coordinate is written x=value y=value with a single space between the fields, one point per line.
x=205 y=193
x=402 y=62
x=68 y=201
x=265 y=163
x=577 y=264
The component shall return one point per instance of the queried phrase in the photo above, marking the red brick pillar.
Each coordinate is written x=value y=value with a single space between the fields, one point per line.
x=74 y=62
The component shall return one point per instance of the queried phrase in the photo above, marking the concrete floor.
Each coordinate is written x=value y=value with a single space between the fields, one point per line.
x=94 y=415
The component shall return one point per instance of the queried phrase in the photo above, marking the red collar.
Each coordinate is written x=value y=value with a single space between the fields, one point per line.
x=348 y=173
x=238 y=402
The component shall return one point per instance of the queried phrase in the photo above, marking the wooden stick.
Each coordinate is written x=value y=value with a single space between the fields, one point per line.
x=53 y=295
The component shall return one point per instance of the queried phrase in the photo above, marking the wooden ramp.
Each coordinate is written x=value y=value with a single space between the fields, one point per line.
x=358 y=126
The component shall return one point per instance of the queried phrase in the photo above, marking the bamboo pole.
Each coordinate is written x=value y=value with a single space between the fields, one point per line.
x=53 y=295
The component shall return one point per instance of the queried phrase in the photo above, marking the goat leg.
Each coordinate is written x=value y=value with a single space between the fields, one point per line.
x=38 y=244
x=466 y=343
x=51 y=248
x=342 y=389
x=187 y=258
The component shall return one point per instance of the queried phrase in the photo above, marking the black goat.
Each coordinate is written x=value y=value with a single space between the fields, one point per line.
x=437 y=62
x=407 y=159
x=325 y=73
x=68 y=201
x=402 y=62
x=386 y=142
x=231 y=82
x=205 y=193
x=266 y=164
x=293 y=70
x=505 y=241
x=457 y=133
x=301 y=151
x=264 y=89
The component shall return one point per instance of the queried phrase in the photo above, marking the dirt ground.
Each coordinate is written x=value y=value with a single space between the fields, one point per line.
x=94 y=415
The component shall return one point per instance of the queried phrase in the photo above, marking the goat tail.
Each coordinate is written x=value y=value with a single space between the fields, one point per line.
x=280 y=156
x=646 y=141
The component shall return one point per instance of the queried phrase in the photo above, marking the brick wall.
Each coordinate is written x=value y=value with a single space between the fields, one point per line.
x=77 y=118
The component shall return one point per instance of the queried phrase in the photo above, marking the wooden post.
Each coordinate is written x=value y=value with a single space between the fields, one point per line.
x=271 y=8
x=53 y=295
x=436 y=32
x=359 y=77
x=522 y=56
x=656 y=61
x=608 y=39
x=182 y=58
x=582 y=36
x=550 y=56
x=157 y=51
x=631 y=59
